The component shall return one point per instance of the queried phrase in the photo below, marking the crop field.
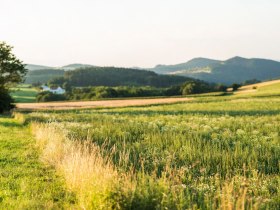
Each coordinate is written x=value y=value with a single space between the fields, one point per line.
x=214 y=152
x=96 y=104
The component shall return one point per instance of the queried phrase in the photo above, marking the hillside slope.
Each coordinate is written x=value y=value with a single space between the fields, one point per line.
x=75 y=66
x=111 y=76
x=190 y=65
x=33 y=67
x=42 y=75
x=269 y=88
x=234 y=70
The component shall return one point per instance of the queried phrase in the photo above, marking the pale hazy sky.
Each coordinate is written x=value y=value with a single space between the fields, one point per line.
x=139 y=32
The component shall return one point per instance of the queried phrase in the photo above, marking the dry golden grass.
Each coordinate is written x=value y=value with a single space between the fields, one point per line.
x=86 y=172
x=93 y=104
x=261 y=84
x=253 y=88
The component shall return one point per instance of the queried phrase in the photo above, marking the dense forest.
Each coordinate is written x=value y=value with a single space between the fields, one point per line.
x=112 y=77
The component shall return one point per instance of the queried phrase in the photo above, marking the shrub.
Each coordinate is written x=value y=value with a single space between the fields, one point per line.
x=220 y=87
x=196 y=87
x=235 y=86
x=48 y=96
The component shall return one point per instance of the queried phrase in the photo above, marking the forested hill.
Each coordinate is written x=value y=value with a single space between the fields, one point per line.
x=111 y=76
x=195 y=63
x=42 y=75
x=234 y=70
x=33 y=67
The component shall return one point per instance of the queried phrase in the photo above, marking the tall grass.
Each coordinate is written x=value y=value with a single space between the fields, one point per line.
x=86 y=173
x=213 y=153
x=99 y=184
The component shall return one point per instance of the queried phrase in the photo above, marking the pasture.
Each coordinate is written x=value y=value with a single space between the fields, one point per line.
x=213 y=152
x=24 y=94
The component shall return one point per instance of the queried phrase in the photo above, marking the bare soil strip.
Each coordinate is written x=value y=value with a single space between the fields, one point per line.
x=94 y=104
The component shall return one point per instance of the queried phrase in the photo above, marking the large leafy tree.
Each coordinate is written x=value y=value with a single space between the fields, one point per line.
x=12 y=71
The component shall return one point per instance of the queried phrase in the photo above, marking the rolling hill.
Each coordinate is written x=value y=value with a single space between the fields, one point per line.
x=42 y=74
x=75 y=66
x=233 y=70
x=112 y=76
x=196 y=63
x=33 y=67
x=263 y=88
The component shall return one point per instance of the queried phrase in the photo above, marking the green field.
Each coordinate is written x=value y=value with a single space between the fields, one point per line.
x=215 y=152
x=24 y=94
x=25 y=183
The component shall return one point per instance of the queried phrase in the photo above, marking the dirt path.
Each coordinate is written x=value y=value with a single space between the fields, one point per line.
x=92 y=104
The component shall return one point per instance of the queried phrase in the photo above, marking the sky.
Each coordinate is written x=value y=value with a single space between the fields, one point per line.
x=139 y=33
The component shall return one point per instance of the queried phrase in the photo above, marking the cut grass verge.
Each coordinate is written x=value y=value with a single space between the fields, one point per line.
x=25 y=183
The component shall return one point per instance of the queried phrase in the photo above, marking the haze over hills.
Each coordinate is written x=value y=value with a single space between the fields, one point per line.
x=76 y=66
x=233 y=70
x=33 y=67
x=192 y=64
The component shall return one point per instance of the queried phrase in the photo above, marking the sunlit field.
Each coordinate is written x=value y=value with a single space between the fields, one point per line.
x=209 y=153
x=24 y=94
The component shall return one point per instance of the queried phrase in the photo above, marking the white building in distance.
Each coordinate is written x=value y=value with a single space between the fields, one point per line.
x=58 y=90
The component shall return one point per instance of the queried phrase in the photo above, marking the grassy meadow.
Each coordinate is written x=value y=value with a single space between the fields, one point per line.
x=24 y=94
x=215 y=152
x=25 y=182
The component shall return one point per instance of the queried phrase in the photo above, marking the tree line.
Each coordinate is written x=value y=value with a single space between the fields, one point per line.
x=101 y=92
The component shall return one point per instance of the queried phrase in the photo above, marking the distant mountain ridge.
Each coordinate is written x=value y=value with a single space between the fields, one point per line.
x=194 y=63
x=76 y=66
x=233 y=70
x=34 y=67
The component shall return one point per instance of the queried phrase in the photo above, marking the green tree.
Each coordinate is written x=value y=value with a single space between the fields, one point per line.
x=188 y=88
x=67 y=86
x=235 y=86
x=220 y=87
x=12 y=71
